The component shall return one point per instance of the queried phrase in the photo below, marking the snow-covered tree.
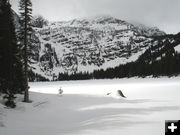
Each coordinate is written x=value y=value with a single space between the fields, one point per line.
x=39 y=21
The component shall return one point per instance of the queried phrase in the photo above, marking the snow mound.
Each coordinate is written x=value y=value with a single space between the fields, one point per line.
x=117 y=94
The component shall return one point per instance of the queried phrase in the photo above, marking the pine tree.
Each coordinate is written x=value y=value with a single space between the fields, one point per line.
x=25 y=36
x=11 y=75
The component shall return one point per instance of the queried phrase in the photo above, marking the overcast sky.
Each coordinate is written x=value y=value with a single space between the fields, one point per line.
x=165 y=14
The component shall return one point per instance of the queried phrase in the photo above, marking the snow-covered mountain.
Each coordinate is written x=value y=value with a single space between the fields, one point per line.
x=85 y=45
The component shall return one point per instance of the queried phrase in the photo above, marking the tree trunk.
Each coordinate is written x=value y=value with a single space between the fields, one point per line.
x=26 y=93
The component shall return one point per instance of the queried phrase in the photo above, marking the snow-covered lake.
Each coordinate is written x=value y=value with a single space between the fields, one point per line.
x=84 y=108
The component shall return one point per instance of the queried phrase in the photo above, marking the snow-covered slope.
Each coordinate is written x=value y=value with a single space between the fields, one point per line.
x=148 y=31
x=84 y=108
x=85 y=45
x=177 y=48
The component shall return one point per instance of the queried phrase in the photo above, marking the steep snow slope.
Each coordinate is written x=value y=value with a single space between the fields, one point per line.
x=83 y=45
x=177 y=48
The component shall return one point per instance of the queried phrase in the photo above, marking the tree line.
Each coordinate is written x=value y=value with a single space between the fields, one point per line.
x=156 y=62
x=167 y=66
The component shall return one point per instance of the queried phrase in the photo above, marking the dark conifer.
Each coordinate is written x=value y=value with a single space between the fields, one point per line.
x=25 y=36
x=11 y=75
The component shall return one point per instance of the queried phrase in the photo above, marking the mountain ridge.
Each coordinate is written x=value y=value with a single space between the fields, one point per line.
x=100 y=19
x=88 y=45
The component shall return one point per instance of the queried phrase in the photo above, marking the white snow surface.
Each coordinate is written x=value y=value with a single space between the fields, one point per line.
x=84 y=108
x=177 y=48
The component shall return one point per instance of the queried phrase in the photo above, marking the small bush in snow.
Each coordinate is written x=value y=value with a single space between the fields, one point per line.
x=60 y=91
x=9 y=100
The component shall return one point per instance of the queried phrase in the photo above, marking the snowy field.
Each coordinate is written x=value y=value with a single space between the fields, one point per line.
x=84 y=108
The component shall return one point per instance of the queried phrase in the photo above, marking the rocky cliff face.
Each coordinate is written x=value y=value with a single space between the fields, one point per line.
x=86 y=45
